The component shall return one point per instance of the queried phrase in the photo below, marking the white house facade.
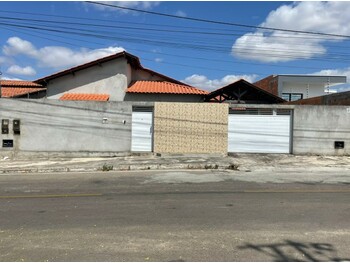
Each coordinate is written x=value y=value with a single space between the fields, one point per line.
x=296 y=87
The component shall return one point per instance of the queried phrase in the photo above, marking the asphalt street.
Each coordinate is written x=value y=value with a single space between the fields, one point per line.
x=170 y=216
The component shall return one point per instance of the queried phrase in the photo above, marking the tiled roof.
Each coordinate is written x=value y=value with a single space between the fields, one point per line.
x=16 y=92
x=142 y=86
x=16 y=88
x=18 y=83
x=85 y=96
x=250 y=91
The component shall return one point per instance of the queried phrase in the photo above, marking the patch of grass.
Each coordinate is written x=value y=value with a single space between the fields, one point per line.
x=107 y=167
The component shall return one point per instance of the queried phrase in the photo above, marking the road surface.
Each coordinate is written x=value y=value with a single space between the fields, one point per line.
x=170 y=216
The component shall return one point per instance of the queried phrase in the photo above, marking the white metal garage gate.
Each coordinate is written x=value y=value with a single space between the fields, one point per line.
x=142 y=129
x=259 y=131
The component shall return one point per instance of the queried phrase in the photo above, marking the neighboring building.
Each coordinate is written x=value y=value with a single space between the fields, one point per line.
x=242 y=91
x=296 y=87
x=119 y=77
x=341 y=98
x=21 y=89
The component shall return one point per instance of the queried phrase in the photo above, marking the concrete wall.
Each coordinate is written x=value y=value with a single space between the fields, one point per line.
x=76 y=126
x=190 y=127
x=108 y=78
x=140 y=74
x=317 y=127
x=67 y=126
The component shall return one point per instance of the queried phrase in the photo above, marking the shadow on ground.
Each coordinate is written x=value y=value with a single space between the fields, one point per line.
x=296 y=251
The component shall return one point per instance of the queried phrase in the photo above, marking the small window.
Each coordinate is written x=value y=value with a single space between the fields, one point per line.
x=292 y=96
x=286 y=96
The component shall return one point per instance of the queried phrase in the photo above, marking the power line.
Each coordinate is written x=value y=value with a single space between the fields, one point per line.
x=190 y=45
x=217 y=22
x=103 y=20
x=154 y=29
x=160 y=53
x=280 y=53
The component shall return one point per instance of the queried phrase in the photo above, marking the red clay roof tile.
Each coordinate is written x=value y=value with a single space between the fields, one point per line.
x=15 y=92
x=18 y=83
x=85 y=96
x=142 y=86
x=16 y=88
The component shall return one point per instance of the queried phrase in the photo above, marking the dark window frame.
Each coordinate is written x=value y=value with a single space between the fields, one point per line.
x=292 y=94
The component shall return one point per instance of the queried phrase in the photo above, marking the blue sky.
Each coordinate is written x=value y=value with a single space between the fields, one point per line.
x=36 y=40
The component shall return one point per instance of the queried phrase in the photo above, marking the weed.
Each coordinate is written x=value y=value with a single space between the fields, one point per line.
x=233 y=166
x=211 y=166
x=107 y=167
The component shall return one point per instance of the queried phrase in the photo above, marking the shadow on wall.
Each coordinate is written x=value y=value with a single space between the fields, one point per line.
x=297 y=251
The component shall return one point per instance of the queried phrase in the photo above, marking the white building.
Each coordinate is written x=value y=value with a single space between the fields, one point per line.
x=296 y=87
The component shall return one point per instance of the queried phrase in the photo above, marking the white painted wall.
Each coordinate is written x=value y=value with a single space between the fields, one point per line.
x=309 y=85
x=308 y=90
x=111 y=78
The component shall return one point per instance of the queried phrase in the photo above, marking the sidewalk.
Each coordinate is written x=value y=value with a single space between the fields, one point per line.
x=236 y=162
x=124 y=163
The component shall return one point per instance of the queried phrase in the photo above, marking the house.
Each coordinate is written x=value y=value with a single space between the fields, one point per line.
x=296 y=87
x=21 y=89
x=118 y=77
x=242 y=91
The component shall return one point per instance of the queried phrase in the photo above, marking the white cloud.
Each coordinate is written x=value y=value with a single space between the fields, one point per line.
x=8 y=78
x=257 y=46
x=56 y=56
x=16 y=46
x=158 y=60
x=203 y=82
x=181 y=13
x=325 y=17
x=63 y=57
x=17 y=70
x=143 y=5
x=337 y=72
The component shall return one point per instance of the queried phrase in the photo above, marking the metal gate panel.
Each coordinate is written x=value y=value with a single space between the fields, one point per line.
x=141 y=131
x=259 y=133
